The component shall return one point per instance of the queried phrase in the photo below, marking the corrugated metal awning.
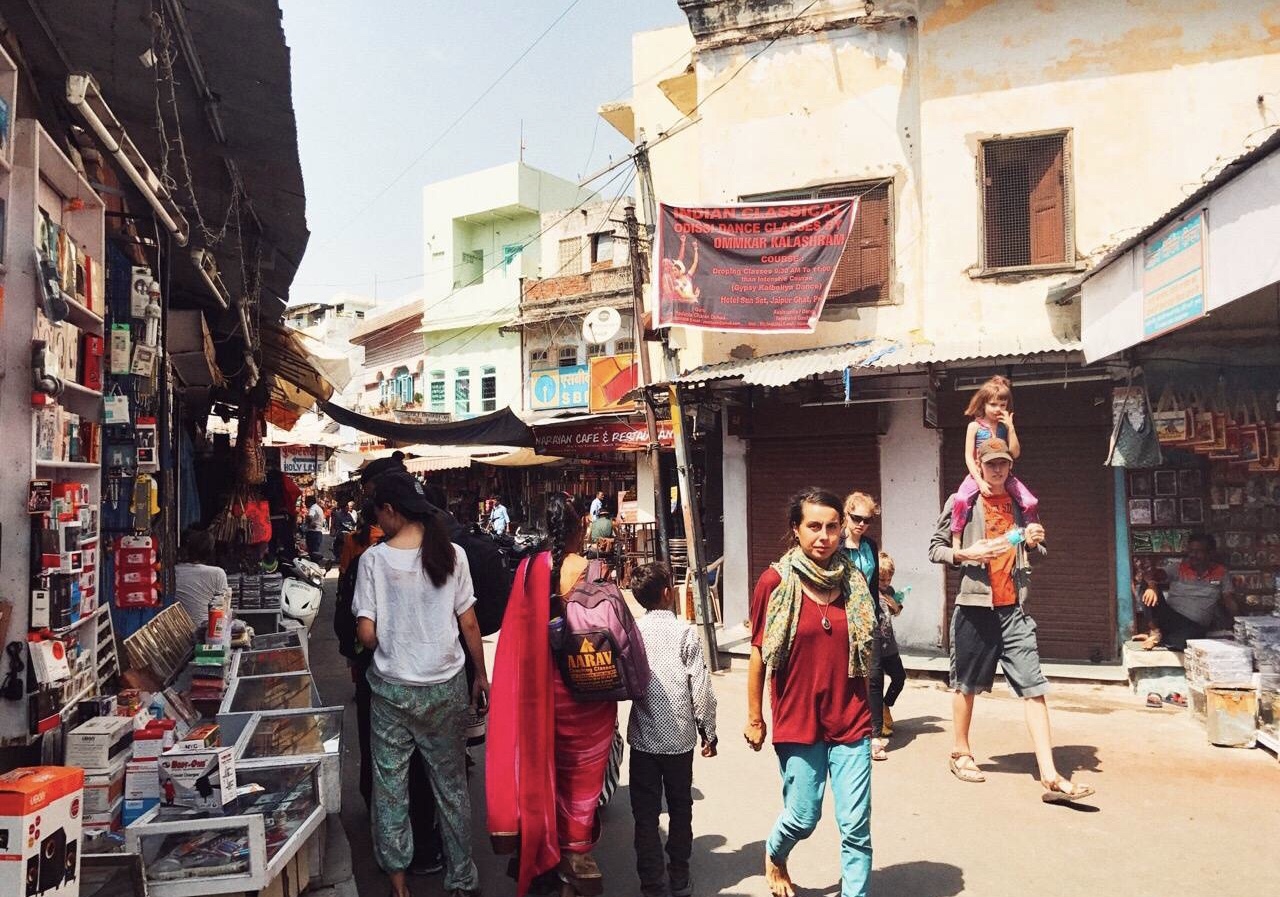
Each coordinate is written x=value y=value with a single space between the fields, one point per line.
x=784 y=368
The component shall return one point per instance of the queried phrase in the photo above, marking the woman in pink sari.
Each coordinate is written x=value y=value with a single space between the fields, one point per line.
x=547 y=752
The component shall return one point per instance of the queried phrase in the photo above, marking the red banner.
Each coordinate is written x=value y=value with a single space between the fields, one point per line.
x=761 y=268
x=595 y=438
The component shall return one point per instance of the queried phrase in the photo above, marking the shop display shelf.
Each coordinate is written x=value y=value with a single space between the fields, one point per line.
x=67 y=465
x=81 y=316
x=93 y=615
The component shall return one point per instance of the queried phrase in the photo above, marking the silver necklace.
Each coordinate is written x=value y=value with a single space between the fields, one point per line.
x=826 y=624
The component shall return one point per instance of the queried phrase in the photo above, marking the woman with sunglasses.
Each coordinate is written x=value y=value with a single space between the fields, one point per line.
x=812 y=627
x=547 y=751
x=863 y=552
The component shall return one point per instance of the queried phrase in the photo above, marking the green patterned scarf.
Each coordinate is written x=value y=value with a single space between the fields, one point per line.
x=782 y=617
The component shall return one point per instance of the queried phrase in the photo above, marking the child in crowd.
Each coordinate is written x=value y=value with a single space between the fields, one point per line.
x=665 y=726
x=991 y=413
x=890 y=659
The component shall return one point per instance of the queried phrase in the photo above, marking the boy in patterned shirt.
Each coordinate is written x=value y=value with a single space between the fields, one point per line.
x=665 y=726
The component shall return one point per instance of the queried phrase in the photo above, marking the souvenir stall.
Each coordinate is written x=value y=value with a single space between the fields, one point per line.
x=1210 y=464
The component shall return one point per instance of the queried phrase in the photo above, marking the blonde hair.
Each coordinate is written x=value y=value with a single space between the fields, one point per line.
x=997 y=387
x=886 y=563
x=861 y=498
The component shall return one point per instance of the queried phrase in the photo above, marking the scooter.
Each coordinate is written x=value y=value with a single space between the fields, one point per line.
x=302 y=591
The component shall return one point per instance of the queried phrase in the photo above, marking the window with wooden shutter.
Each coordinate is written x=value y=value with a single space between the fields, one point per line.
x=864 y=275
x=1026 y=209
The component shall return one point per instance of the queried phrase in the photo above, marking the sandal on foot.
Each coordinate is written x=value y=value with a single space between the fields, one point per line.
x=580 y=871
x=962 y=773
x=1060 y=791
x=1154 y=700
x=877 y=749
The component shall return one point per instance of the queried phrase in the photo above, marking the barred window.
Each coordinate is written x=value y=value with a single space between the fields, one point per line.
x=570 y=256
x=568 y=356
x=488 y=389
x=462 y=391
x=1026 y=214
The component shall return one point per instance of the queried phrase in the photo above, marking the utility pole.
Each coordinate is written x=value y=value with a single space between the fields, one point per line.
x=663 y=551
x=690 y=504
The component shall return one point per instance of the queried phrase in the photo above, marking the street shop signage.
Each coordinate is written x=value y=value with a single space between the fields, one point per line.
x=613 y=377
x=565 y=387
x=591 y=438
x=298 y=460
x=1173 y=277
x=758 y=268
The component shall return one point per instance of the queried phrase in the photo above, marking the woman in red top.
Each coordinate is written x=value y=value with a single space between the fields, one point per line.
x=812 y=622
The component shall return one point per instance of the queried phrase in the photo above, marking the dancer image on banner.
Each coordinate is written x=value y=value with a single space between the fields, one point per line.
x=677 y=281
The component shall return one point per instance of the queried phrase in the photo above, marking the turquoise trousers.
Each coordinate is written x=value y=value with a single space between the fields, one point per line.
x=805 y=770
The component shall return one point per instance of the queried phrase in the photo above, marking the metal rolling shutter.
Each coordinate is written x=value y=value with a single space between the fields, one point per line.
x=1072 y=589
x=778 y=468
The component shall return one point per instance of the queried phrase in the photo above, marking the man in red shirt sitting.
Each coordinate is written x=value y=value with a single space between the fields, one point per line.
x=990 y=626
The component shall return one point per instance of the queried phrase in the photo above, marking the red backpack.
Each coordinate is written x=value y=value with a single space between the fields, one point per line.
x=600 y=653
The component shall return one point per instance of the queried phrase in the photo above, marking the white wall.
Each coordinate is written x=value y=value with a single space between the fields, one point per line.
x=736 y=591
x=473 y=349
x=910 y=490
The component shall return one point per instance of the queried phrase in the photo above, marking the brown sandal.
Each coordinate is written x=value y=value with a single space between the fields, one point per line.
x=1055 y=794
x=962 y=773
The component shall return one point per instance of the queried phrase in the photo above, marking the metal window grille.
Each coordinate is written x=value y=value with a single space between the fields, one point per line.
x=568 y=356
x=488 y=389
x=624 y=346
x=570 y=256
x=595 y=350
x=462 y=391
x=437 y=391
x=1025 y=202
x=537 y=357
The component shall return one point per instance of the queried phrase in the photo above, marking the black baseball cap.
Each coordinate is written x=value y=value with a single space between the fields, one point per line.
x=379 y=466
x=402 y=491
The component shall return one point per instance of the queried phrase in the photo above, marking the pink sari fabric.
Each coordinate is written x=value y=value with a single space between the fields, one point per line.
x=519 y=767
x=546 y=753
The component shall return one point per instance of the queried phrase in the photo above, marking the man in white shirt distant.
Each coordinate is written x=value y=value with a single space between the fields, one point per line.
x=499 y=519
x=597 y=505
x=315 y=528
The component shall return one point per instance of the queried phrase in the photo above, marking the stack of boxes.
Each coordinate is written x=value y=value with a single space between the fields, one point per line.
x=197 y=773
x=142 y=772
x=101 y=747
x=40 y=821
x=209 y=677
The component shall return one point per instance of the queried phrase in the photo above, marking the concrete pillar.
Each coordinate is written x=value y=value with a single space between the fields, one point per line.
x=737 y=578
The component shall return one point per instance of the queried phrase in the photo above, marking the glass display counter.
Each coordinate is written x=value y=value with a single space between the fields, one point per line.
x=275 y=738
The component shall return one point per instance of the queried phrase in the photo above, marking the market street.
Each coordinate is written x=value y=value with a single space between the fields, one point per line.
x=1173 y=814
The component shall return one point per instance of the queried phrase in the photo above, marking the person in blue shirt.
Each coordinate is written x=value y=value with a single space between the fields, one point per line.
x=860 y=509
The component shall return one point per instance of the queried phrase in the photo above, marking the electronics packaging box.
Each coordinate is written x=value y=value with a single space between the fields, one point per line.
x=142 y=780
x=102 y=789
x=40 y=820
x=97 y=743
x=197 y=778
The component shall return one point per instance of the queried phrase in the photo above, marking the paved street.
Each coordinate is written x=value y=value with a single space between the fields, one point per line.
x=1173 y=814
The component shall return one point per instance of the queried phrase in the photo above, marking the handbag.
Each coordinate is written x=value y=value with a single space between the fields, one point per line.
x=1202 y=432
x=1133 y=445
x=1172 y=421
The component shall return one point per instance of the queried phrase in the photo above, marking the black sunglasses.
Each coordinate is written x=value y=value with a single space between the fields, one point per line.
x=858 y=518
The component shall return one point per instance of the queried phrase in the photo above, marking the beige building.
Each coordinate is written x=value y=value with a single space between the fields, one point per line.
x=997 y=146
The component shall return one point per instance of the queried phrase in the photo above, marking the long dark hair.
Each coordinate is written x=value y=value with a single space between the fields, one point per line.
x=811 y=495
x=564 y=525
x=438 y=556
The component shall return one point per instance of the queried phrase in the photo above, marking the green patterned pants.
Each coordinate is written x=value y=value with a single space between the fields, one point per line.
x=428 y=717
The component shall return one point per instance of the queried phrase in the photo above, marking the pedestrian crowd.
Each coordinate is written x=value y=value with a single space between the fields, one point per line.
x=416 y=596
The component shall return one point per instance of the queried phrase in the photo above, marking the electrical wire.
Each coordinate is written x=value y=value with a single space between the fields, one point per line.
x=351 y=219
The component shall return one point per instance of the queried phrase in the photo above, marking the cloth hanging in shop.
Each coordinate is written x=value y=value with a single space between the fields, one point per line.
x=499 y=428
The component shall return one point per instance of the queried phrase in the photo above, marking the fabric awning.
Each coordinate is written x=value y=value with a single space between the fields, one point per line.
x=525 y=457
x=501 y=428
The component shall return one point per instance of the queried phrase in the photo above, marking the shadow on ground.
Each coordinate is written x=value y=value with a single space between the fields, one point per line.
x=908 y=730
x=1069 y=758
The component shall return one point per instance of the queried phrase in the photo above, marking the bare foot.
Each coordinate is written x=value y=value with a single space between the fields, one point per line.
x=778 y=879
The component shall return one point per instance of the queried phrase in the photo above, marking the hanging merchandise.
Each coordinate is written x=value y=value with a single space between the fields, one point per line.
x=115 y=407
x=144 y=440
x=1173 y=421
x=139 y=292
x=1133 y=435
x=144 y=360
x=120 y=346
x=145 y=503
x=151 y=327
x=258 y=511
x=135 y=566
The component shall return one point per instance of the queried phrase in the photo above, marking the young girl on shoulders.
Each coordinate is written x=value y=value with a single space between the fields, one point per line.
x=991 y=417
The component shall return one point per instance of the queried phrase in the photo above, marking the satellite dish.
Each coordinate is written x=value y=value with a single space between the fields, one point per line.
x=601 y=325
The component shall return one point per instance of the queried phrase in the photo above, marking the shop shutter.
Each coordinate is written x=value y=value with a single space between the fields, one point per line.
x=1073 y=587
x=778 y=468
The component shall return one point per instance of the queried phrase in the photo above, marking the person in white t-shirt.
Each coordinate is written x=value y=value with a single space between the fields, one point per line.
x=196 y=581
x=413 y=596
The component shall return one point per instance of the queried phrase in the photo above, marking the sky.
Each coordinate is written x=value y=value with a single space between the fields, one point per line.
x=375 y=84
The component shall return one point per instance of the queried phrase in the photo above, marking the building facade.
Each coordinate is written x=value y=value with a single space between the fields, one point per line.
x=482 y=238
x=996 y=148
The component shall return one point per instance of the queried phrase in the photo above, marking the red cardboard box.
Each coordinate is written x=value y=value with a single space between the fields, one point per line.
x=40 y=817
